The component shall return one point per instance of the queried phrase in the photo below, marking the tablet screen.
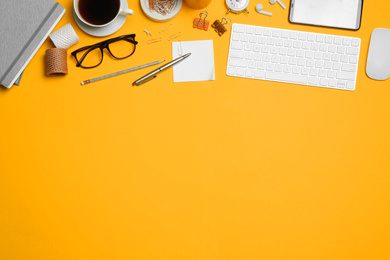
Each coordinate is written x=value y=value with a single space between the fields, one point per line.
x=331 y=13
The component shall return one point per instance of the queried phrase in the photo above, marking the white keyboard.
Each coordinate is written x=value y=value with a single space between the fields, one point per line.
x=304 y=58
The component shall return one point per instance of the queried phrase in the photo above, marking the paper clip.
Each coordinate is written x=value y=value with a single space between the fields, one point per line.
x=154 y=40
x=174 y=36
x=165 y=28
x=219 y=26
x=201 y=24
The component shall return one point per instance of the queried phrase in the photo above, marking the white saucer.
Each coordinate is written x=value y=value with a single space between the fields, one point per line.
x=154 y=16
x=106 y=30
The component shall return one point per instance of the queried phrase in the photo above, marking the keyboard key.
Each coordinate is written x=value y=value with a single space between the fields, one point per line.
x=327 y=56
x=332 y=48
x=310 y=63
x=238 y=28
x=355 y=42
x=257 y=56
x=320 y=38
x=256 y=48
x=231 y=70
x=278 y=67
x=347 y=41
x=296 y=70
x=337 y=40
x=313 y=72
x=236 y=54
x=270 y=66
x=238 y=63
x=332 y=83
x=319 y=64
x=328 y=39
x=237 y=45
x=248 y=73
x=236 y=36
x=249 y=29
x=328 y=65
x=240 y=72
x=259 y=74
x=305 y=71
x=275 y=59
x=285 y=34
x=350 y=85
x=252 y=64
x=267 y=32
x=276 y=33
x=266 y=57
x=294 y=35
x=322 y=73
x=324 y=82
x=314 y=80
x=287 y=69
x=331 y=74
x=323 y=47
x=259 y=30
x=279 y=76
x=248 y=55
x=302 y=36
x=261 y=65
x=311 y=37
x=341 y=49
x=353 y=59
x=344 y=58
x=318 y=55
x=341 y=84
x=253 y=39
x=248 y=46
x=352 y=51
x=345 y=75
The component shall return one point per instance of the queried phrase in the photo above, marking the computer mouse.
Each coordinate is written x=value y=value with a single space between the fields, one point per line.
x=378 y=60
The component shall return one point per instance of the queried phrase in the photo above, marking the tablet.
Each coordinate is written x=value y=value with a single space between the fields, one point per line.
x=345 y=14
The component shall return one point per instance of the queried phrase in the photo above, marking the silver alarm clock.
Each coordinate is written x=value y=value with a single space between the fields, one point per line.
x=237 y=6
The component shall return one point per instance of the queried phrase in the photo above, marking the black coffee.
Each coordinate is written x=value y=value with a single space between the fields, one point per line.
x=99 y=12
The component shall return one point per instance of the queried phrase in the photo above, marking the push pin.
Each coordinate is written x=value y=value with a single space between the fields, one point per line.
x=219 y=26
x=201 y=24
x=148 y=33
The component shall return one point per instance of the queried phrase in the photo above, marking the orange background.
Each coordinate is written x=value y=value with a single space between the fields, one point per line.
x=226 y=169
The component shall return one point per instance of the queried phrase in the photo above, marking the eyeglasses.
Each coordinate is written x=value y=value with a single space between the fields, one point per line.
x=92 y=56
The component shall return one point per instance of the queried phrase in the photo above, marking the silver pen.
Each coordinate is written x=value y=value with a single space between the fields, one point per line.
x=152 y=74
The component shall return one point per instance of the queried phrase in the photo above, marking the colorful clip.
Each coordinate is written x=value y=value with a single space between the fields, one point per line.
x=201 y=24
x=219 y=26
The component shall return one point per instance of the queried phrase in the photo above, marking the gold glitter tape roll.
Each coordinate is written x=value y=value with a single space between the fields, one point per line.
x=56 y=62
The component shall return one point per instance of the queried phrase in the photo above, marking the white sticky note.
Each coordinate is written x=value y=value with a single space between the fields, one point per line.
x=197 y=67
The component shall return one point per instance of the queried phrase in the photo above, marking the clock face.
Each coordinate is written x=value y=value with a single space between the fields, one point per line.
x=237 y=4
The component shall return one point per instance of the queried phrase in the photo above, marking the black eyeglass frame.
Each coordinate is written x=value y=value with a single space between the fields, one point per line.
x=104 y=45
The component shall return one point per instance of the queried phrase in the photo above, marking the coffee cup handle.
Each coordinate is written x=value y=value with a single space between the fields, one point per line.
x=126 y=11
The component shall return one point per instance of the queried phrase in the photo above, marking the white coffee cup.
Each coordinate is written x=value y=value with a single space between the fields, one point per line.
x=121 y=11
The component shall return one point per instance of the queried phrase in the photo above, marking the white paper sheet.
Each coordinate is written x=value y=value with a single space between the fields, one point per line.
x=197 y=67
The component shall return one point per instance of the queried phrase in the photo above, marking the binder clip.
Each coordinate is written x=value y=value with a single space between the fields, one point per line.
x=219 y=26
x=201 y=24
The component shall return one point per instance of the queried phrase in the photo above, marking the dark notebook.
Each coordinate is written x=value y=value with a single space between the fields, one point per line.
x=24 y=26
